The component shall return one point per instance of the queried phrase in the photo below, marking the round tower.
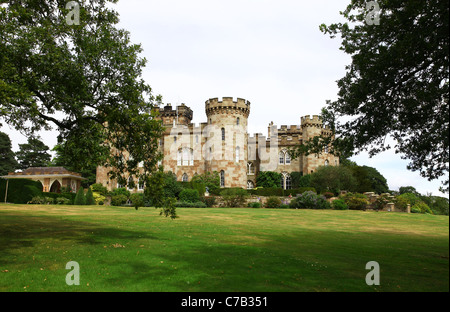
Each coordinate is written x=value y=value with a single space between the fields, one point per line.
x=226 y=151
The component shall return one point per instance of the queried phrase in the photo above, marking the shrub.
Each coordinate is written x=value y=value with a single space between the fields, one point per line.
x=90 y=197
x=328 y=195
x=189 y=195
x=310 y=200
x=184 y=204
x=284 y=206
x=62 y=201
x=20 y=191
x=118 y=200
x=268 y=179
x=37 y=200
x=356 y=201
x=80 y=199
x=254 y=205
x=121 y=191
x=234 y=197
x=421 y=207
x=137 y=200
x=48 y=200
x=273 y=202
x=99 y=188
x=405 y=199
x=339 y=204
x=209 y=201
x=99 y=198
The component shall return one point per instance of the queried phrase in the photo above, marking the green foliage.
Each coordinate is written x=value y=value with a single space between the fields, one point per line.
x=273 y=202
x=310 y=200
x=421 y=207
x=278 y=191
x=268 y=179
x=80 y=198
x=211 y=180
x=410 y=100
x=155 y=195
x=333 y=179
x=209 y=201
x=34 y=153
x=381 y=202
x=90 y=197
x=20 y=191
x=439 y=205
x=77 y=78
x=234 y=197
x=8 y=163
x=62 y=201
x=189 y=195
x=137 y=200
x=187 y=204
x=121 y=191
x=356 y=201
x=254 y=205
x=171 y=187
x=405 y=199
x=339 y=204
x=99 y=188
x=118 y=200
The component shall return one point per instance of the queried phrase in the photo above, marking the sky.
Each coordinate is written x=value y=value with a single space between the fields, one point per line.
x=268 y=52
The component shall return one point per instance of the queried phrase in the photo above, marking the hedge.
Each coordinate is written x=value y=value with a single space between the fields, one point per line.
x=278 y=191
x=20 y=191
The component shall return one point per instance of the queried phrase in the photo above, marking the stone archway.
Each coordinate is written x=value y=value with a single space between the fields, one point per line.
x=56 y=187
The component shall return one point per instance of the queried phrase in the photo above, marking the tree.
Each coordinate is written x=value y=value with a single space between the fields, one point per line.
x=90 y=197
x=34 y=153
x=333 y=179
x=268 y=179
x=83 y=79
x=397 y=86
x=80 y=198
x=7 y=161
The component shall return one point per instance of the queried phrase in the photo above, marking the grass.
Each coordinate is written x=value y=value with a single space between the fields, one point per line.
x=215 y=250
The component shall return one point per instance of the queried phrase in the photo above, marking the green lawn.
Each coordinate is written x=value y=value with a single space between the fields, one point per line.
x=121 y=249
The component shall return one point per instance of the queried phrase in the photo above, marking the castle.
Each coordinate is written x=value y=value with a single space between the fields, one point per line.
x=223 y=144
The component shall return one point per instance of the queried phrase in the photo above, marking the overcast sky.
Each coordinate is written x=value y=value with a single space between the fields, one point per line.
x=265 y=51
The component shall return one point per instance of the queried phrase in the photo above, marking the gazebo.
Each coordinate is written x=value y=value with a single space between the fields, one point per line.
x=52 y=178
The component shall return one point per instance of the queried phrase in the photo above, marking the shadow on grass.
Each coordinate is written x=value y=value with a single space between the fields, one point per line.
x=18 y=231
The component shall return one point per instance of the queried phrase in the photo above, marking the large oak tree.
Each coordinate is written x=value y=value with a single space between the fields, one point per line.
x=83 y=79
x=397 y=85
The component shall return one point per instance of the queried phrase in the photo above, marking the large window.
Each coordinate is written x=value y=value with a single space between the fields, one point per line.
x=238 y=151
x=185 y=157
x=284 y=158
x=130 y=183
x=286 y=181
x=223 y=134
x=185 y=178
x=250 y=168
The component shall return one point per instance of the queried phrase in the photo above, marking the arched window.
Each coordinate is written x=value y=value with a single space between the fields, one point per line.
x=250 y=185
x=141 y=184
x=284 y=158
x=288 y=182
x=185 y=157
x=130 y=183
x=281 y=158
x=238 y=121
x=223 y=134
x=185 y=178
x=238 y=151
x=327 y=163
x=326 y=149
x=222 y=178
x=250 y=168
x=287 y=158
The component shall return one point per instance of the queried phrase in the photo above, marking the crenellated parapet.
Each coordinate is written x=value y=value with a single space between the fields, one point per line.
x=226 y=106
x=182 y=114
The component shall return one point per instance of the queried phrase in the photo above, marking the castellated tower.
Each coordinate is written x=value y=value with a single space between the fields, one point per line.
x=312 y=127
x=226 y=150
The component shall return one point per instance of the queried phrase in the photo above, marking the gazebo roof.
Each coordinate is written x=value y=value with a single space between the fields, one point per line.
x=44 y=172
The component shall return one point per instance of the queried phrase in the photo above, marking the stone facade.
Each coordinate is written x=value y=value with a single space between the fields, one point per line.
x=223 y=144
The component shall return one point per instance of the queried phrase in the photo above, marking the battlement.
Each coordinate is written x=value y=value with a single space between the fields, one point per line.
x=179 y=111
x=293 y=129
x=214 y=105
x=314 y=121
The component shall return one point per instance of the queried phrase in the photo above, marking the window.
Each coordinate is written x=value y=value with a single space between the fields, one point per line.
x=130 y=183
x=185 y=178
x=222 y=178
x=327 y=163
x=238 y=121
x=223 y=134
x=326 y=149
x=141 y=185
x=250 y=185
x=250 y=168
x=288 y=182
x=281 y=157
x=174 y=139
x=185 y=157
x=238 y=151
x=196 y=139
x=287 y=159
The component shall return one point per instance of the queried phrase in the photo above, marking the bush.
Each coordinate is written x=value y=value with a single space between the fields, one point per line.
x=189 y=195
x=20 y=191
x=209 y=201
x=99 y=188
x=328 y=195
x=268 y=179
x=184 y=204
x=284 y=206
x=37 y=200
x=405 y=199
x=421 y=207
x=118 y=200
x=99 y=198
x=356 y=201
x=254 y=205
x=121 y=191
x=80 y=199
x=62 y=201
x=310 y=200
x=339 y=204
x=90 y=197
x=234 y=197
x=273 y=202
x=137 y=200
